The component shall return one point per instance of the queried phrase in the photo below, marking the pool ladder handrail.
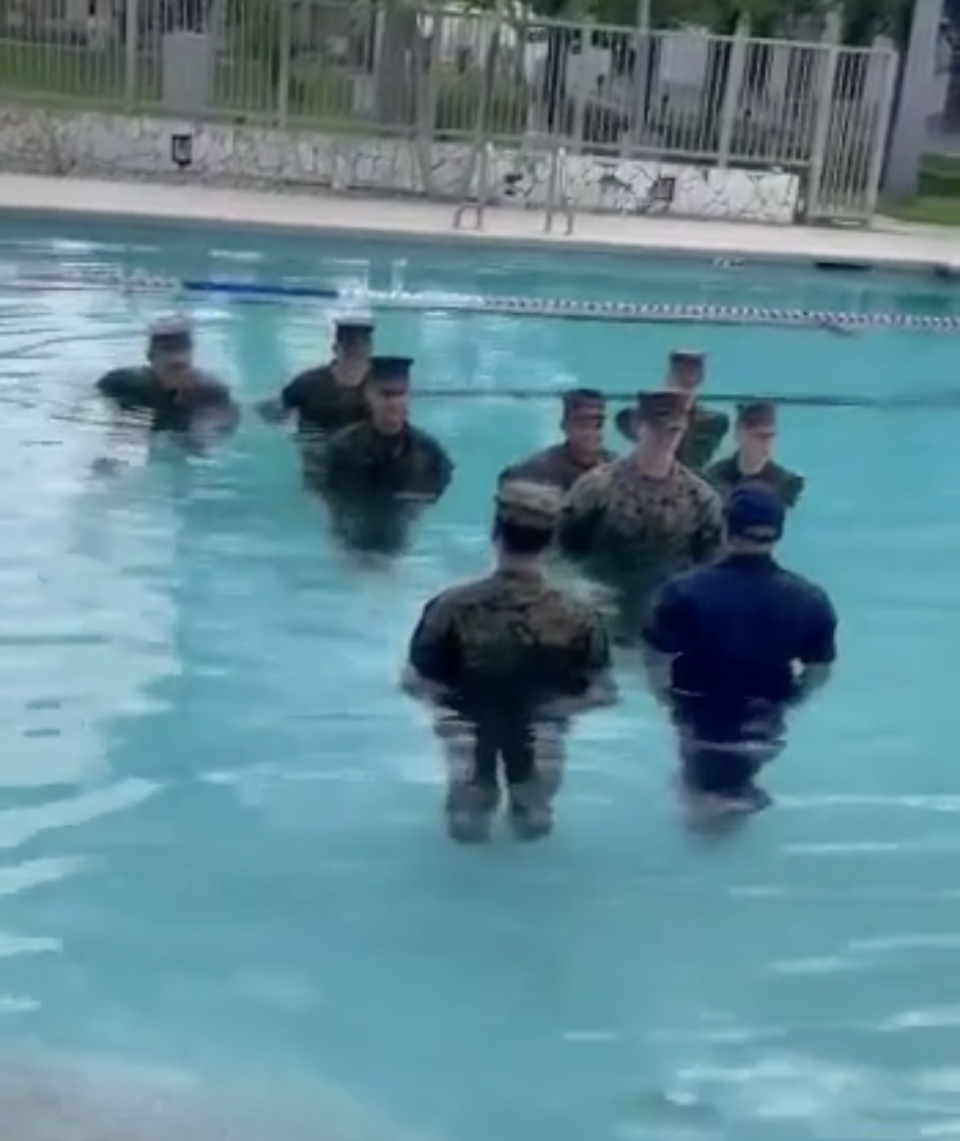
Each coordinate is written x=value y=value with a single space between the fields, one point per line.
x=482 y=199
x=558 y=202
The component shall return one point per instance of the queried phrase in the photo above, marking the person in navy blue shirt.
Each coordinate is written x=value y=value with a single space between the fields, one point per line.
x=730 y=648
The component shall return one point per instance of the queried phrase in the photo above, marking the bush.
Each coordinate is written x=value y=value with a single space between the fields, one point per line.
x=320 y=90
x=458 y=101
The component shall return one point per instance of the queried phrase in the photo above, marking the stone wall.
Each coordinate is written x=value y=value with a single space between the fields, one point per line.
x=125 y=147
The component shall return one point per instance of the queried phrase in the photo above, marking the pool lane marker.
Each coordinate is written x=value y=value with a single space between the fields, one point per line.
x=507 y=306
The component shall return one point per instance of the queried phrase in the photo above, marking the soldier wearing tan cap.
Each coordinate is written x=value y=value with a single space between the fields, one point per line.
x=705 y=429
x=168 y=394
x=584 y=418
x=633 y=523
x=505 y=661
x=753 y=462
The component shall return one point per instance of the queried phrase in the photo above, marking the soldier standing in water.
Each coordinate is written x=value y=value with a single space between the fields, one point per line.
x=705 y=429
x=756 y=435
x=632 y=523
x=169 y=394
x=561 y=465
x=506 y=661
x=378 y=475
x=327 y=398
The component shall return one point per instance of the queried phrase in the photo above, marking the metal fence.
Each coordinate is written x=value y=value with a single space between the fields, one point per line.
x=448 y=75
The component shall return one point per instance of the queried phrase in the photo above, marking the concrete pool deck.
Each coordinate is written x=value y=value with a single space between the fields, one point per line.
x=888 y=244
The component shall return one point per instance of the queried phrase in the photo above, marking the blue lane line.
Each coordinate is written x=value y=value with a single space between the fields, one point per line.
x=252 y=289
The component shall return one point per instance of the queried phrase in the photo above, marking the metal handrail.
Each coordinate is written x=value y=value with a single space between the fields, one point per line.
x=557 y=200
x=479 y=204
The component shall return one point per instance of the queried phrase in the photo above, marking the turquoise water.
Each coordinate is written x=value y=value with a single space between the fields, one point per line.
x=222 y=856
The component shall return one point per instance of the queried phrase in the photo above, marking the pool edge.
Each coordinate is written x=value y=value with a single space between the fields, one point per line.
x=371 y=219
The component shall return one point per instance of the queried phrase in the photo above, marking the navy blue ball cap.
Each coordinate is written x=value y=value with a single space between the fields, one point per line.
x=754 y=511
x=353 y=328
x=390 y=370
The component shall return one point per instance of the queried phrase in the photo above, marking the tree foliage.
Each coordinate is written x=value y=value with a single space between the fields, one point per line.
x=862 y=19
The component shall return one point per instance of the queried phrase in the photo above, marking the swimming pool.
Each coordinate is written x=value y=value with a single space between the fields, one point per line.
x=223 y=855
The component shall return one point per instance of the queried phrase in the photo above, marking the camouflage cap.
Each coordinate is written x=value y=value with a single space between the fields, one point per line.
x=529 y=504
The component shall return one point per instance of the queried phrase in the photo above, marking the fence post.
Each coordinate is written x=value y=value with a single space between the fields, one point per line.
x=285 y=48
x=131 y=38
x=822 y=92
x=878 y=156
x=909 y=133
x=731 y=93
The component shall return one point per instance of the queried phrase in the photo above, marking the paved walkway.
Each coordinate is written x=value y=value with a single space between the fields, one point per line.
x=888 y=243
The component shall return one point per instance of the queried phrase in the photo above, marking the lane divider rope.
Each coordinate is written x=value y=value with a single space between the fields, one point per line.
x=542 y=307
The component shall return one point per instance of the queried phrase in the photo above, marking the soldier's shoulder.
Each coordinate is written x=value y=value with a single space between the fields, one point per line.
x=562 y=609
x=579 y=609
x=596 y=478
x=721 y=471
x=785 y=476
x=463 y=596
x=123 y=379
x=212 y=389
x=424 y=441
x=698 y=486
x=314 y=377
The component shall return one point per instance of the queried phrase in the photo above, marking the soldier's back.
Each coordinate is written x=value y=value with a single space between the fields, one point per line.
x=520 y=634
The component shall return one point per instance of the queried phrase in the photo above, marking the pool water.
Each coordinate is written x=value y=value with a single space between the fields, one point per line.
x=224 y=867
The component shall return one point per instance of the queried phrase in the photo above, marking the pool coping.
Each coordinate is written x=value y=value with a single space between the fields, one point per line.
x=887 y=245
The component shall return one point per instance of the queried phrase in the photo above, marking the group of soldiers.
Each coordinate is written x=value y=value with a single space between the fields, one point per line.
x=505 y=661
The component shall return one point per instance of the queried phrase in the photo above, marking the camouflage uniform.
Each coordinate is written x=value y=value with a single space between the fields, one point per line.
x=322 y=404
x=632 y=532
x=557 y=466
x=725 y=475
x=376 y=485
x=138 y=392
x=560 y=466
x=756 y=416
x=501 y=648
x=703 y=437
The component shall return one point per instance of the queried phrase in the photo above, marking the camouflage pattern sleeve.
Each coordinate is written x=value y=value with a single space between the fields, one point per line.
x=432 y=650
x=597 y=657
x=707 y=536
x=582 y=515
